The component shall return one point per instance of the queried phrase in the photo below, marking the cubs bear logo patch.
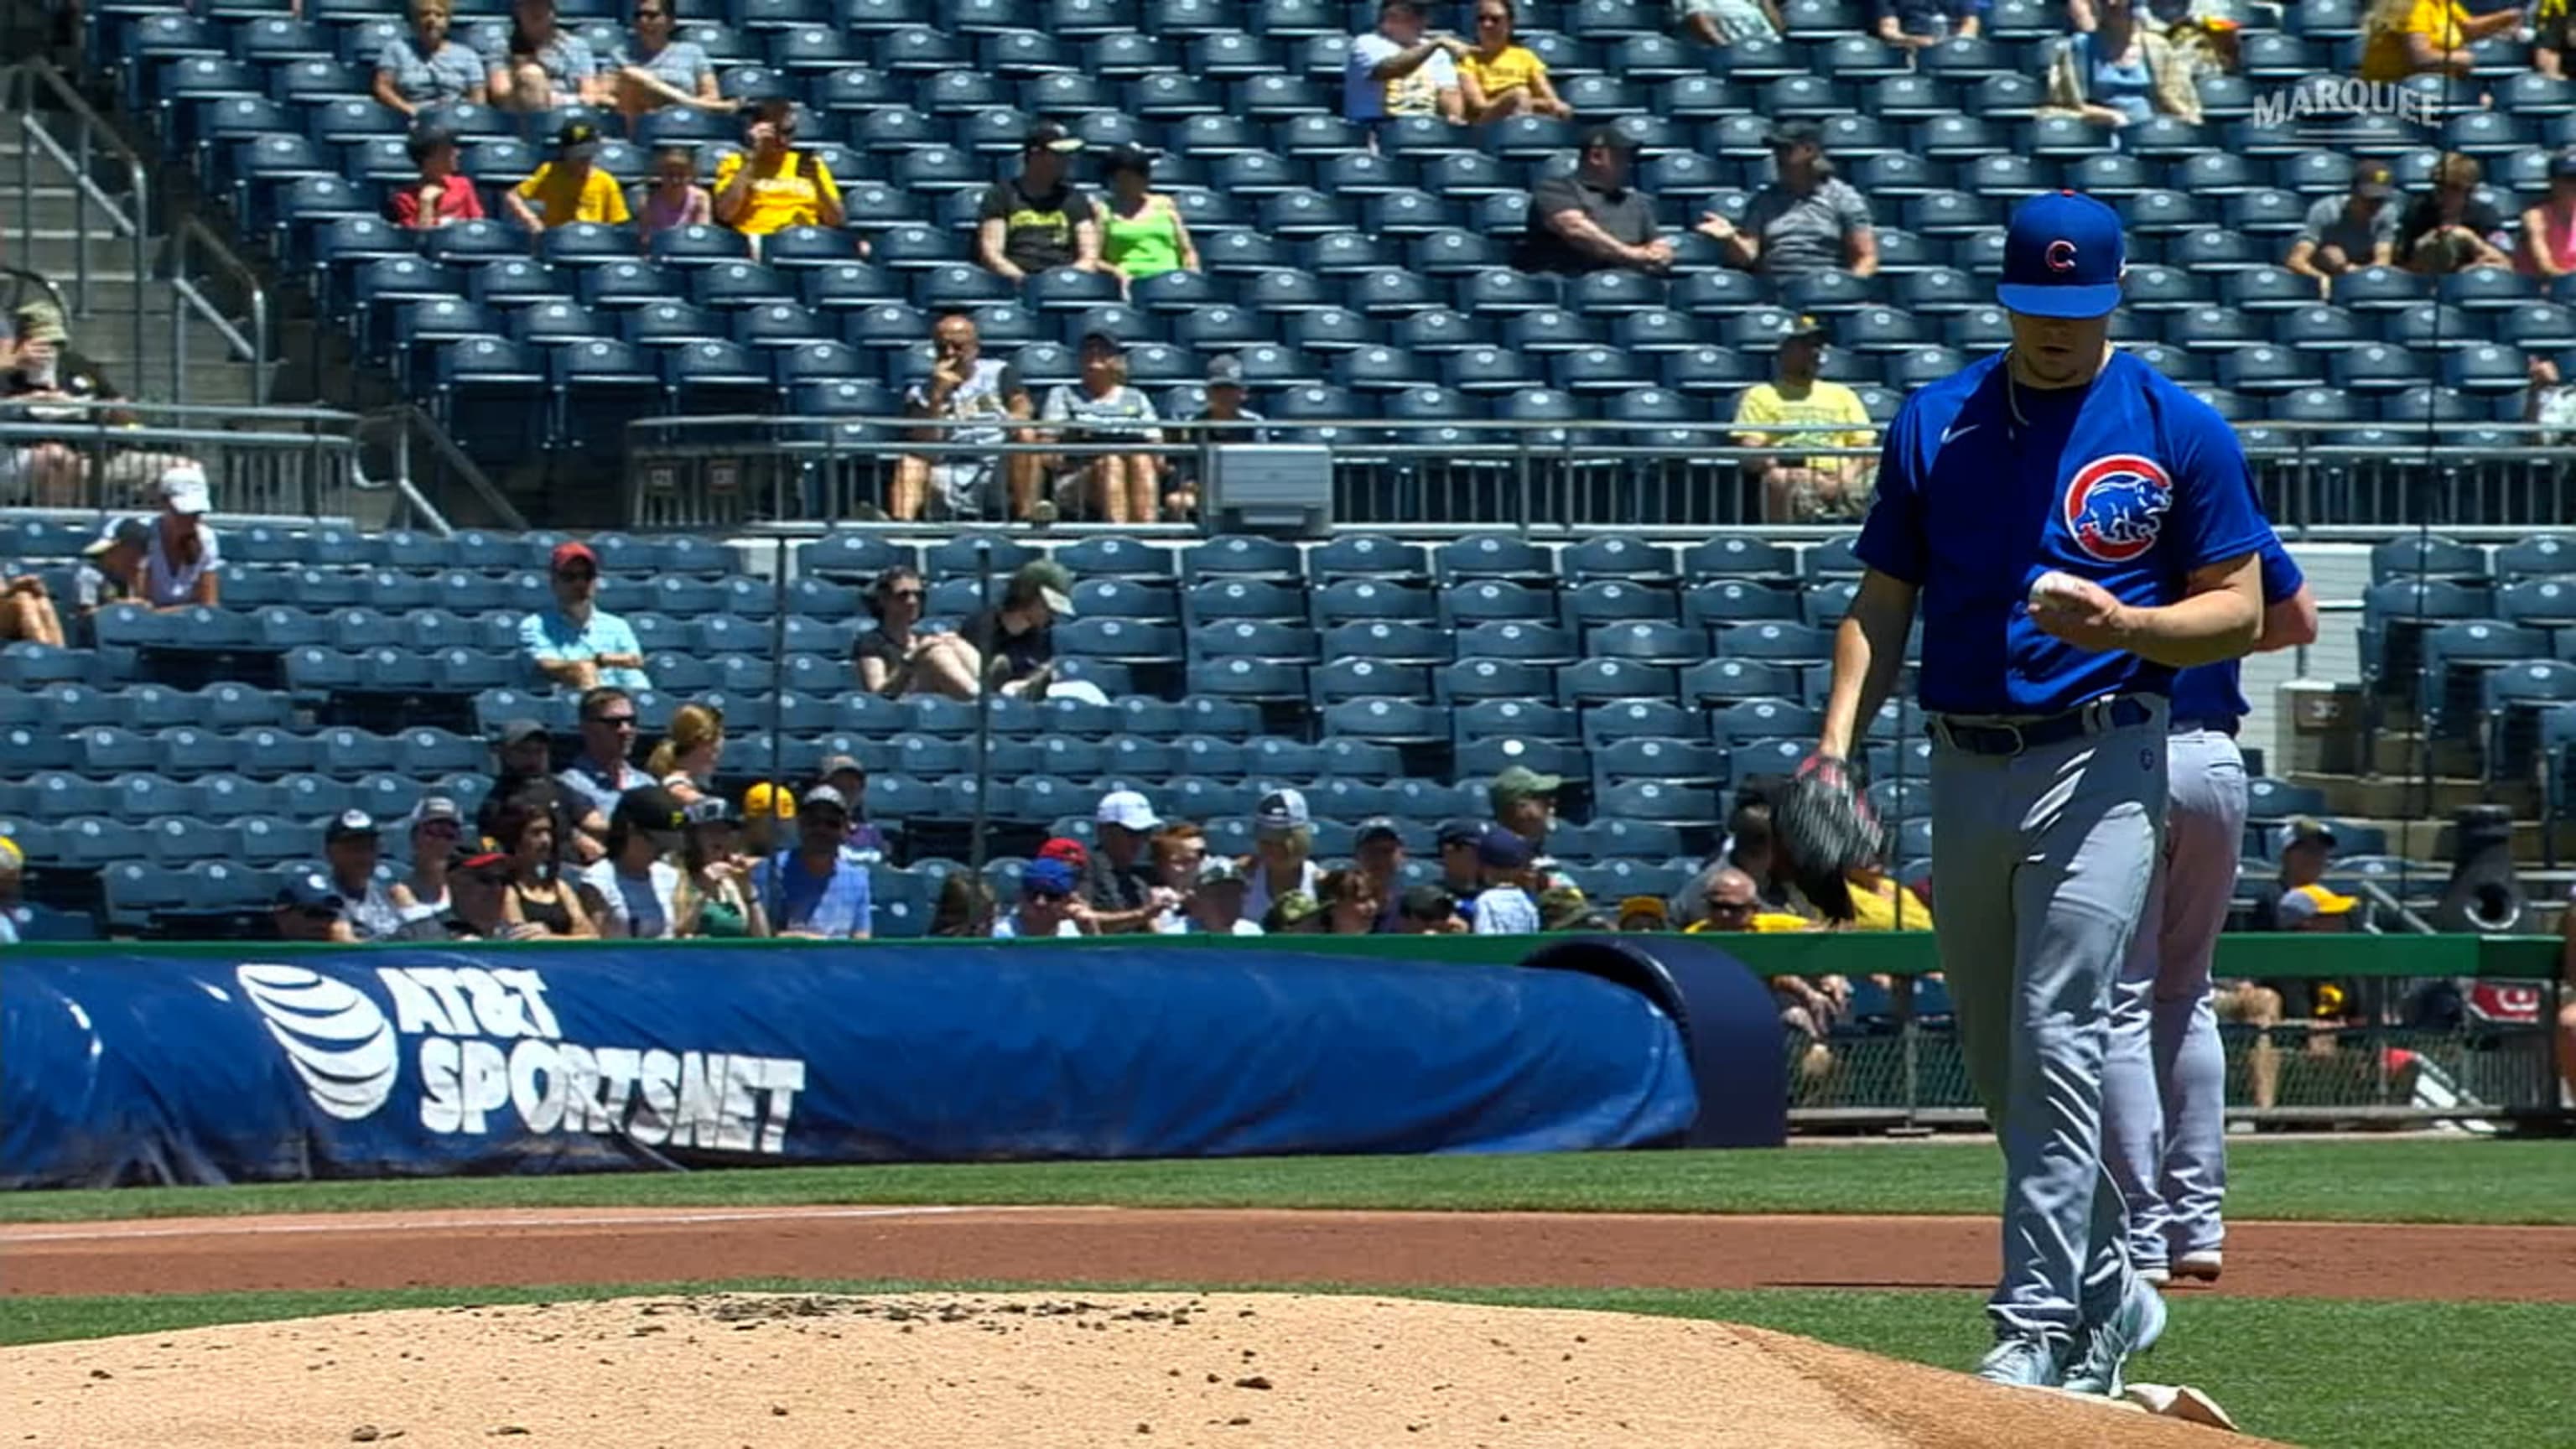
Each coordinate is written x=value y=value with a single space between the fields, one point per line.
x=2116 y=506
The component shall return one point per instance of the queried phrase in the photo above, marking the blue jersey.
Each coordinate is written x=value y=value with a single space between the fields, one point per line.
x=2130 y=482
x=2215 y=693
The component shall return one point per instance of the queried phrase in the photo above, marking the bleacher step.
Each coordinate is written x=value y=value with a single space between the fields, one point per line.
x=2397 y=797
x=2400 y=753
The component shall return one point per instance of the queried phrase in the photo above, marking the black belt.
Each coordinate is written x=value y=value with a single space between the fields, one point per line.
x=2217 y=724
x=2038 y=734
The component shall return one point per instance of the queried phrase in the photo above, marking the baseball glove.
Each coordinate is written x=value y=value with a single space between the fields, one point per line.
x=1824 y=827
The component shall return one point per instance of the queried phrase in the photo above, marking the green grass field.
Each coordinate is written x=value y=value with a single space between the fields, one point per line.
x=2362 y=1180
x=2351 y=1375
x=2361 y=1374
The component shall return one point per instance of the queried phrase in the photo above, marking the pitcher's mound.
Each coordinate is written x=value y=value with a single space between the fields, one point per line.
x=967 y=1372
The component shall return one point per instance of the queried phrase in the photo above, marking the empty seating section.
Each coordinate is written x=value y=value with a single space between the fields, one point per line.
x=1376 y=278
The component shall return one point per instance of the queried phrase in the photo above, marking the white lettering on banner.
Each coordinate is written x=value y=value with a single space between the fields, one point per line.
x=492 y=1058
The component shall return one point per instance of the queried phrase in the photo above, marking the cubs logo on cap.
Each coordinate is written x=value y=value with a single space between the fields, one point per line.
x=2063 y=256
x=2116 y=506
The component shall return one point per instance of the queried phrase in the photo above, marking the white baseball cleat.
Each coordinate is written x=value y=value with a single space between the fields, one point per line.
x=2202 y=1265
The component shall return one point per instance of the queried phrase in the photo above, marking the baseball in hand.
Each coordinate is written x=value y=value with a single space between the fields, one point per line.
x=2056 y=585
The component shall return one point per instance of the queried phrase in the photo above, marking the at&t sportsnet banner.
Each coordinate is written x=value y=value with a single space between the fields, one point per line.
x=125 y=1065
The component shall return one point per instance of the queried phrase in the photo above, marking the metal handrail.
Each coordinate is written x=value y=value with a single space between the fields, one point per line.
x=95 y=136
x=409 y=421
x=189 y=235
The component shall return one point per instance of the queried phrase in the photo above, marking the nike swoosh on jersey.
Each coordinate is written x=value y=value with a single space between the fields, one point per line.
x=1957 y=430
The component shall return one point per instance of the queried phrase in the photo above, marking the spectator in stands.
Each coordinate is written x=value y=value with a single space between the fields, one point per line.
x=1591 y=219
x=601 y=774
x=2122 y=70
x=1920 y=24
x=1351 y=902
x=440 y=195
x=110 y=570
x=577 y=644
x=2451 y=229
x=1294 y=914
x=1377 y=852
x=1121 y=887
x=2553 y=36
x=2566 y=998
x=1401 y=69
x=965 y=909
x=2411 y=37
x=182 y=564
x=813 y=892
x=1216 y=903
x=1504 y=906
x=1428 y=910
x=525 y=776
x=715 y=899
x=569 y=188
x=2304 y=846
x=2548 y=244
x=309 y=910
x=1176 y=853
x=896 y=658
x=423 y=899
x=766 y=810
x=1564 y=908
x=1103 y=409
x=1142 y=232
x=653 y=68
x=539 y=65
x=672 y=198
x=684 y=761
x=13 y=871
x=1726 y=22
x=1283 y=847
x=1046 y=904
x=865 y=844
x=777 y=185
x=43 y=379
x=1225 y=393
x=1807 y=220
x=2347 y=232
x=1644 y=914
x=979 y=397
x=637 y=880
x=1524 y=803
x=1011 y=648
x=1461 y=875
x=1039 y=220
x=1880 y=904
x=1800 y=408
x=536 y=894
x=425 y=68
x=2550 y=402
x=1499 y=78
x=1733 y=902
x=351 y=848
x=27 y=613
x=479 y=880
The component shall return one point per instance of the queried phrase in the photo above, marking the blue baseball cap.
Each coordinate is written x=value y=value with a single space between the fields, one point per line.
x=1051 y=876
x=2063 y=257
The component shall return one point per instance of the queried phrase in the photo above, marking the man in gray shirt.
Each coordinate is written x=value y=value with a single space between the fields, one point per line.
x=1103 y=409
x=1808 y=220
x=2342 y=233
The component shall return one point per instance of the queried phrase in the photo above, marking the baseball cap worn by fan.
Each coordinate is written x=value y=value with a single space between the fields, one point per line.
x=1128 y=810
x=1048 y=136
x=350 y=825
x=823 y=797
x=1225 y=370
x=1067 y=849
x=2301 y=830
x=2063 y=257
x=2373 y=181
x=309 y=890
x=2311 y=901
x=520 y=731
x=39 y=320
x=183 y=486
x=1049 y=877
x=1053 y=582
x=1503 y=850
x=1461 y=832
x=577 y=141
x=1520 y=782
x=572 y=553
x=1220 y=870
x=131 y=533
x=654 y=811
x=1280 y=812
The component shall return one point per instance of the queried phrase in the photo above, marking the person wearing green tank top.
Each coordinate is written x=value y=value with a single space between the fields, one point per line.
x=1143 y=234
x=714 y=901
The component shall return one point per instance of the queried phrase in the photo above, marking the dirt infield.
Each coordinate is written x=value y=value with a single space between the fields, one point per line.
x=809 y=1372
x=1213 y=1247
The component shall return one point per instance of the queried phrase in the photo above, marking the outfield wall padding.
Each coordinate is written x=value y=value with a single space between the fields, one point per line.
x=1729 y=1024
x=133 y=1066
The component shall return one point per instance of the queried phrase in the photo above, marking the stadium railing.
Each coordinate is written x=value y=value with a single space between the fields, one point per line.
x=2318 y=482
x=46 y=102
x=278 y=462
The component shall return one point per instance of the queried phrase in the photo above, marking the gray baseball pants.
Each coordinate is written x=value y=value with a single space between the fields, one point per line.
x=2164 y=1084
x=2043 y=859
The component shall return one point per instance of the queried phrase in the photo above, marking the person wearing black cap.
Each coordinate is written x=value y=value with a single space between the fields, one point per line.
x=1103 y=409
x=716 y=899
x=1142 y=234
x=1039 y=220
x=2356 y=229
x=1798 y=408
x=351 y=847
x=637 y=880
x=111 y=566
x=1460 y=873
x=1222 y=392
x=1919 y=24
x=440 y=195
x=569 y=188
x=776 y=186
x=1806 y=220
x=1591 y=219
